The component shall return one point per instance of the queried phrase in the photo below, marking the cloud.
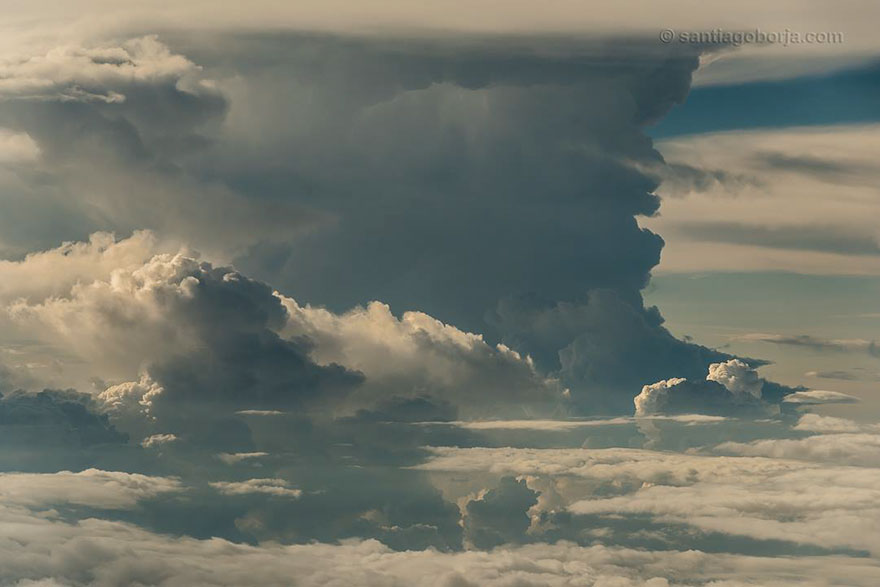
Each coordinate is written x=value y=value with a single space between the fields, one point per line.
x=158 y=440
x=835 y=374
x=814 y=343
x=829 y=239
x=116 y=121
x=92 y=487
x=195 y=152
x=16 y=147
x=126 y=554
x=58 y=418
x=784 y=174
x=195 y=332
x=418 y=355
x=730 y=387
x=273 y=487
x=843 y=448
x=819 y=397
x=812 y=500
x=737 y=377
x=603 y=348
x=234 y=458
x=82 y=74
x=817 y=423
x=499 y=515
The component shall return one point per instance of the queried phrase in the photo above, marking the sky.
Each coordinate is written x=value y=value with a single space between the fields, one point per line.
x=453 y=294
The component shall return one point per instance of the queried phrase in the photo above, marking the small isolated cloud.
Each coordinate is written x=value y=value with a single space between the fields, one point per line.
x=235 y=458
x=158 y=440
x=820 y=396
x=276 y=487
x=814 y=342
x=737 y=377
x=838 y=374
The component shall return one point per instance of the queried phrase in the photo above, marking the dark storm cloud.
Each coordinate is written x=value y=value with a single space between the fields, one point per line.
x=54 y=429
x=464 y=174
x=603 y=343
x=222 y=353
x=500 y=516
x=55 y=417
x=826 y=239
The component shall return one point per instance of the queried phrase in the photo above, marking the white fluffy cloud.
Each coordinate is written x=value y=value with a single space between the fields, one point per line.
x=52 y=273
x=654 y=396
x=737 y=377
x=418 y=354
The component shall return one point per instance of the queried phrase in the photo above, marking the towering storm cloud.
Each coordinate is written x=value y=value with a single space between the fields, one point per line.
x=493 y=183
x=329 y=307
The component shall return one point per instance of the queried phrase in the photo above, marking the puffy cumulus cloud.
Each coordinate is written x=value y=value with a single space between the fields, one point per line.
x=416 y=355
x=274 y=487
x=730 y=387
x=653 y=398
x=182 y=336
x=92 y=487
x=499 y=515
x=204 y=337
x=820 y=396
x=103 y=553
x=52 y=273
x=737 y=377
